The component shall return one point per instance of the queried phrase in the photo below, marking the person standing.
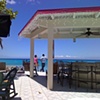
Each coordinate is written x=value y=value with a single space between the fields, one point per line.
x=35 y=64
x=43 y=61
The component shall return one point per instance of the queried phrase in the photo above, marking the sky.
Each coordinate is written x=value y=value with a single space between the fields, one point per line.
x=17 y=47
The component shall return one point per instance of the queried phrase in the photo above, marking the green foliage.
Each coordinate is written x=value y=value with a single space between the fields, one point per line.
x=4 y=10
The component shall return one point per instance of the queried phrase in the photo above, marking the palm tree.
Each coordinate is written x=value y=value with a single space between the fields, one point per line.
x=1 y=43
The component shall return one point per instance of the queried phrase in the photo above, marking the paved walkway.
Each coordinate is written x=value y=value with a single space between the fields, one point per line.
x=35 y=89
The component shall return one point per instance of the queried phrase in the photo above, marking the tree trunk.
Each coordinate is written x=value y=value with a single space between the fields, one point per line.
x=1 y=43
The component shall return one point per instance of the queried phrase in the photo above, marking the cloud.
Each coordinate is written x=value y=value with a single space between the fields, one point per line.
x=38 y=2
x=11 y=1
x=33 y=1
x=59 y=56
x=68 y=56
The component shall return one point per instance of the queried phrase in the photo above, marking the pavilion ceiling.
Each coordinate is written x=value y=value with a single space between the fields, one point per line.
x=65 y=25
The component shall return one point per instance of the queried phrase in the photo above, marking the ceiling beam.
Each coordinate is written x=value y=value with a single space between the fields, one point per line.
x=97 y=15
x=37 y=31
x=72 y=23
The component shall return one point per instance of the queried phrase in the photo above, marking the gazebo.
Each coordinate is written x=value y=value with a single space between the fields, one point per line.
x=60 y=23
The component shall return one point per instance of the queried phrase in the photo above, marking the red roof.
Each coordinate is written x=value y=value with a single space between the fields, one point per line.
x=63 y=10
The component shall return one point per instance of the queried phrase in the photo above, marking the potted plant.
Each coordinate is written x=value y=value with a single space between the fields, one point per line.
x=6 y=15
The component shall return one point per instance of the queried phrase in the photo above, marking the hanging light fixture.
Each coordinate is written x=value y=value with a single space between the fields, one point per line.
x=74 y=39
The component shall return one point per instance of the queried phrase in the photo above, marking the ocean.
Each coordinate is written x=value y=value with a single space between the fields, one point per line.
x=19 y=61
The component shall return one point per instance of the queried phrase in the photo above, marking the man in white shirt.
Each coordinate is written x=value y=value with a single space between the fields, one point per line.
x=43 y=61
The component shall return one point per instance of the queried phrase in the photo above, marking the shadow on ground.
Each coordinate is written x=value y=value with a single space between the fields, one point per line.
x=16 y=98
x=41 y=79
x=58 y=87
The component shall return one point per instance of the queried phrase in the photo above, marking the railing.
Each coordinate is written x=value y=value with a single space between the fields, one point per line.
x=83 y=72
x=2 y=66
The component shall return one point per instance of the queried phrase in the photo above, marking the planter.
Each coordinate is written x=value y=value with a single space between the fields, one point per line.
x=5 y=24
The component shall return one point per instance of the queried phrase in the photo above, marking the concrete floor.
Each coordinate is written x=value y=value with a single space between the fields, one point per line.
x=35 y=89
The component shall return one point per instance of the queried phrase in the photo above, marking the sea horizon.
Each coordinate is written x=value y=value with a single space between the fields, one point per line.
x=89 y=58
x=18 y=62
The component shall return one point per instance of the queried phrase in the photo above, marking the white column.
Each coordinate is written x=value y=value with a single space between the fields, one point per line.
x=31 y=57
x=50 y=57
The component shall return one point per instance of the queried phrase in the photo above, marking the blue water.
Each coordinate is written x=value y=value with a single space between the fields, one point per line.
x=19 y=62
